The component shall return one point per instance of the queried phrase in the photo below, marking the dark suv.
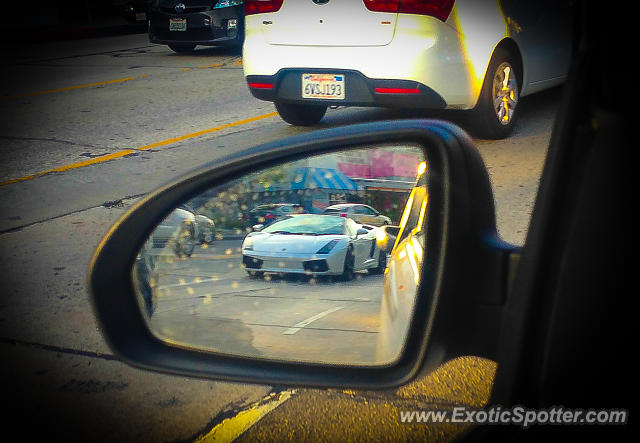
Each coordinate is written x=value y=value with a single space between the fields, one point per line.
x=183 y=24
x=268 y=213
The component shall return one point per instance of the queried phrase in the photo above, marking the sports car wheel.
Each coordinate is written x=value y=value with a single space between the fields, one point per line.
x=349 y=262
x=300 y=115
x=382 y=264
x=496 y=111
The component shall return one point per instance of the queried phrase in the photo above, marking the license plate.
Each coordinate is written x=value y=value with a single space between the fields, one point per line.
x=323 y=86
x=177 y=24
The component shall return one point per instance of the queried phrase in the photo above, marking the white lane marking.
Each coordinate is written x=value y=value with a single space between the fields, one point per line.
x=178 y=285
x=304 y=323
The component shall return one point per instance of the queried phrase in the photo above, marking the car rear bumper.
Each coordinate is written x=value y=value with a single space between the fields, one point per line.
x=286 y=87
x=433 y=55
x=208 y=28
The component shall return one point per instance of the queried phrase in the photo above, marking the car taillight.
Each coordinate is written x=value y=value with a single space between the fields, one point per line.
x=261 y=85
x=439 y=9
x=397 y=90
x=382 y=5
x=261 y=6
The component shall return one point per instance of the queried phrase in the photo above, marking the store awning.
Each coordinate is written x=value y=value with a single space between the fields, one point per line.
x=322 y=178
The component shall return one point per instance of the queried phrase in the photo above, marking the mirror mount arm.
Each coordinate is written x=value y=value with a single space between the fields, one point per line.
x=503 y=259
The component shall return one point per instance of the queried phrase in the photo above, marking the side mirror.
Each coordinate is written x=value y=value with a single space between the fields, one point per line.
x=386 y=237
x=279 y=307
x=258 y=227
x=361 y=231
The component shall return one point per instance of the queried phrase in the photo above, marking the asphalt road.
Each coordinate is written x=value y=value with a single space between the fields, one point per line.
x=208 y=301
x=86 y=128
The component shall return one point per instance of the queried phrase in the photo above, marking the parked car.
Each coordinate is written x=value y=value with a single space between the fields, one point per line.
x=268 y=213
x=184 y=24
x=313 y=244
x=358 y=212
x=205 y=229
x=476 y=55
x=177 y=231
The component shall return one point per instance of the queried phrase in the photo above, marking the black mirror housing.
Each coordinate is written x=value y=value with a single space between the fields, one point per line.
x=452 y=315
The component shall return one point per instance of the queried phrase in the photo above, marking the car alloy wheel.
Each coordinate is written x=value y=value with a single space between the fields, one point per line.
x=494 y=115
x=505 y=93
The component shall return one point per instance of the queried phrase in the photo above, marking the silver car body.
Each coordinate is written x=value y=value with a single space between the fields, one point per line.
x=172 y=225
x=271 y=251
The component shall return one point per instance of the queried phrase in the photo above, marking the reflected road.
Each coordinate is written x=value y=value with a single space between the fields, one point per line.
x=209 y=301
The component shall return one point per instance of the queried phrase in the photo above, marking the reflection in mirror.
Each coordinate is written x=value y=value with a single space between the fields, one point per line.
x=315 y=260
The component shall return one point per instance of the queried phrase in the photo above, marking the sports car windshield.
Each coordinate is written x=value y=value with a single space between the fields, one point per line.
x=308 y=225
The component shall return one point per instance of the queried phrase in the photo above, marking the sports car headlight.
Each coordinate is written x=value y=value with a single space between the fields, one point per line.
x=248 y=244
x=328 y=247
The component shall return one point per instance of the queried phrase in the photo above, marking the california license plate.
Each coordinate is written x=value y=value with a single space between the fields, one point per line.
x=323 y=86
x=177 y=24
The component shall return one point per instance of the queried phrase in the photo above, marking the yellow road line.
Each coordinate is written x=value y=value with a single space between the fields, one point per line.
x=233 y=427
x=70 y=88
x=217 y=65
x=206 y=131
x=126 y=152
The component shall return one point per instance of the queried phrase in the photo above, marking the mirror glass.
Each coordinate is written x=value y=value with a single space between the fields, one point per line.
x=314 y=260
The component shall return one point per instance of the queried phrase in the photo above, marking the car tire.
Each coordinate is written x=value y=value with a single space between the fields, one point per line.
x=255 y=274
x=300 y=115
x=497 y=109
x=182 y=49
x=207 y=236
x=348 y=267
x=188 y=246
x=185 y=242
x=382 y=264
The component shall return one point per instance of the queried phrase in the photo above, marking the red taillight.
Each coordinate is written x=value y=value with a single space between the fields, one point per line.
x=397 y=90
x=269 y=216
x=261 y=85
x=439 y=9
x=261 y=6
x=382 y=5
x=435 y=8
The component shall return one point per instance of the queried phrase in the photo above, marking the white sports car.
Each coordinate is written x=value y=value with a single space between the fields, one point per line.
x=313 y=244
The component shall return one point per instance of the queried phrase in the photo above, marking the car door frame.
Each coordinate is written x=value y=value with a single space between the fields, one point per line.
x=564 y=323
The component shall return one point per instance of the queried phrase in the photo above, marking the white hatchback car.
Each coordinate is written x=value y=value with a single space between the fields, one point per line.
x=477 y=55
